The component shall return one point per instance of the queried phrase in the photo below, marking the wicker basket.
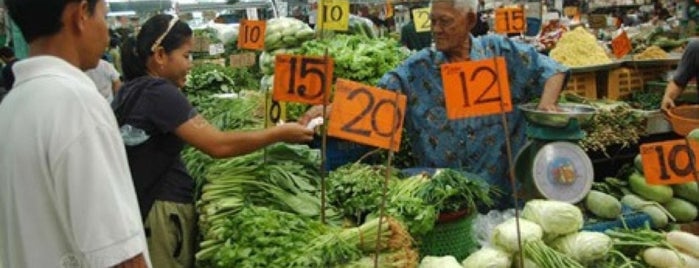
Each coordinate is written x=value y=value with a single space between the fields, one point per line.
x=453 y=238
x=683 y=119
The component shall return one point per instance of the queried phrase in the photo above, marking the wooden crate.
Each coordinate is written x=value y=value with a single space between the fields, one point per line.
x=622 y=82
x=583 y=84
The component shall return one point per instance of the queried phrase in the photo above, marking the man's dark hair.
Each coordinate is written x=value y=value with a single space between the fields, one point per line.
x=39 y=18
x=7 y=53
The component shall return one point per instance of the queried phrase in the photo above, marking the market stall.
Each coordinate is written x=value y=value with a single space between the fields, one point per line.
x=345 y=202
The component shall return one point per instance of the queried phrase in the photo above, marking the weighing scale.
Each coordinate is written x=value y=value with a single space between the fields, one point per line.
x=552 y=165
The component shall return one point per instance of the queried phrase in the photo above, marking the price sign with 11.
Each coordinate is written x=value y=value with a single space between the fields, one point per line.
x=367 y=115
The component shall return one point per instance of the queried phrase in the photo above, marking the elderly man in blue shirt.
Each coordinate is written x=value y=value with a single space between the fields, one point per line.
x=473 y=144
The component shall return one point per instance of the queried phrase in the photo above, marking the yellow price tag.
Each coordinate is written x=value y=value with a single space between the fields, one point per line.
x=421 y=17
x=275 y=111
x=334 y=14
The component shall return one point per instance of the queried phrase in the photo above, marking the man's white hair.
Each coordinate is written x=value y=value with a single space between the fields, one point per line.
x=465 y=6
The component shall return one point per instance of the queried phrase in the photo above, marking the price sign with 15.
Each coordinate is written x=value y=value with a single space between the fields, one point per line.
x=476 y=88
x=367 y=115
x=669 y=162
x=510 y=20
x=302 y=79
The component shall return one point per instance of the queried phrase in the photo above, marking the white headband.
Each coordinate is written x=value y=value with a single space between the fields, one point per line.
x=160 y=39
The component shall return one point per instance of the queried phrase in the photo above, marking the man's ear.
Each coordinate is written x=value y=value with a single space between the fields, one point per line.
x=83 y=15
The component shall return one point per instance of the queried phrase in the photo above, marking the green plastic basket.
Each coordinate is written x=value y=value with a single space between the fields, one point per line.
x=453 y=238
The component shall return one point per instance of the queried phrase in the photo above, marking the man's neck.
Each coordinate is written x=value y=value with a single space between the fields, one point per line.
x=56 y=46
x=462 y=54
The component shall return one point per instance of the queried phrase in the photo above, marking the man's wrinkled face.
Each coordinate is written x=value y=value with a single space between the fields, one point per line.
x=450 y=26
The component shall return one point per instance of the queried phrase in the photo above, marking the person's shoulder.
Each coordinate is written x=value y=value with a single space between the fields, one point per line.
x=693 y=45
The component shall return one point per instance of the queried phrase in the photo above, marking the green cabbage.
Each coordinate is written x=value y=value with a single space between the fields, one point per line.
x=584 y=247
x=488 y=258
x=554 y=217
x=505 y=234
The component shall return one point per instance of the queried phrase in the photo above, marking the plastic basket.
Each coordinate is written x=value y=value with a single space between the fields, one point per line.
x=684 y=119
x=583 y=84
x=454 y=238
x=340 y=152
x=633 y=219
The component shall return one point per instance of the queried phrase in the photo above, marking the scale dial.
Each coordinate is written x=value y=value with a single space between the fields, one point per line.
x=562 y=171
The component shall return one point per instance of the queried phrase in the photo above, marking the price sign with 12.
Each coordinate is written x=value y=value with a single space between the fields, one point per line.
x=476 y=88
x=422 y=21
x=367 y=115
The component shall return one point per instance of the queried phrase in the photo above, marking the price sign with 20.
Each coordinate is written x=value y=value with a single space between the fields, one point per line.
x=302 y=79
x=252 y=35
x=669 y=162
x=476 y=88
x=510 y=20
x=367 y=115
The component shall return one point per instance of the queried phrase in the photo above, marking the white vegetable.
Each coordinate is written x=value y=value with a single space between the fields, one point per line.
x=439 y=262
x=584 y=247
x=505 y=234
x=684 y=241
x=553 y=216
x=665 y=258
x=488 y=258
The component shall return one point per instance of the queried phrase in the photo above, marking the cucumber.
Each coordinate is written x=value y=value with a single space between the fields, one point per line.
x=688 y=191
x=658 y=217
x=657 y=193
x=603 y=205
x=683 y=211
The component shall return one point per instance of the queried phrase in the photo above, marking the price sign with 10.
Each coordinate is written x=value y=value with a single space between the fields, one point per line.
x=669 y=162
x=367 y=115
x=252 y=35
x=334 y=14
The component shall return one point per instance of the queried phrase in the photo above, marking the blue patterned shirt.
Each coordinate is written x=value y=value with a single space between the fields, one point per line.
x=473 y=144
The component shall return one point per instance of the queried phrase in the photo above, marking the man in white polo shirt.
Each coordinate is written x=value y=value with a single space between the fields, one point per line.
x=66 y=196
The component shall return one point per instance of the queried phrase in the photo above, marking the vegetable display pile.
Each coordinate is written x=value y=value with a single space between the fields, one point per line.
x=618 y=125
x=358 y=58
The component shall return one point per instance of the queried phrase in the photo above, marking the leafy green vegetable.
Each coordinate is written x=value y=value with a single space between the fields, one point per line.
x=451 y=191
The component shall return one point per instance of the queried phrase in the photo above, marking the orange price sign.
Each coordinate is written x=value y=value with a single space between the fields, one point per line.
x=252 y=34
x=669 y=162
x=510 y=20
x=476 y=88
x=621 y=45
x=302 y=79
x=367 y=115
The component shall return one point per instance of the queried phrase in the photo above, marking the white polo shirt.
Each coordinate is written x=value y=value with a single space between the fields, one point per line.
x=66 y=195
x=104 y=76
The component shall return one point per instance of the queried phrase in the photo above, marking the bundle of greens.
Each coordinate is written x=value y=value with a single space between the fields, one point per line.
x=207 y=79
x=356 y=189
x=451 y=191
x=358 y=58
x=262 y=237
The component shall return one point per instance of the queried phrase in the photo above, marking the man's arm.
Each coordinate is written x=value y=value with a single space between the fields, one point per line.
x=672 y=91
x=552 y=89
